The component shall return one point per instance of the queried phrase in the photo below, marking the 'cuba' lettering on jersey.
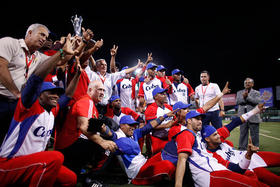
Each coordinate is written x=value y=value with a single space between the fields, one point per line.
x=124 y=86
x=41 y=132
x=229 y=153
x=179 y=90
x=148 y=88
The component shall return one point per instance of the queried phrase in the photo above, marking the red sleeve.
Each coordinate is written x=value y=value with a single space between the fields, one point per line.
x=200 y=110
x=224 y=133
x=141 y=91
x=220 y=159
x=190 y=89
x=150 y=113
x=170 y=78
x=55 y=110
x=118 y=81
x=49 y=78
x=173 y=131
x=129 y=111
x=168 y=106
x=82 y=86
x=185 y=142
x=82 y=108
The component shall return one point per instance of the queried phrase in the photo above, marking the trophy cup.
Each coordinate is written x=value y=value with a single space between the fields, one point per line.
x=77 y=24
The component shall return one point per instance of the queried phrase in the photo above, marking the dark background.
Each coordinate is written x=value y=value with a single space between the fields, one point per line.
x=232 y=42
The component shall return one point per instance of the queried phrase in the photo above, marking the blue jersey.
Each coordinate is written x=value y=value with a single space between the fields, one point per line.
x=129 y=152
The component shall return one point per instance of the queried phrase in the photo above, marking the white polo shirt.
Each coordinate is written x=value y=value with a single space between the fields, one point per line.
x=206 y=93
x=109 y=80
x=13 y=50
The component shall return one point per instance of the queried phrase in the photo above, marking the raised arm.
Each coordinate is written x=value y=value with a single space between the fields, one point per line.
x=113 y=53
x=70 y=90
x=86 y=54
x=130 y=70
x=215 y=100
x=156 y=123
x=46 y=67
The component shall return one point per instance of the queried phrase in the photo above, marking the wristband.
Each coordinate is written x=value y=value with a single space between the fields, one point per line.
x=61 y=54
x=107 y=130
x=165 y=116
x=86 y=42
x=158 y=121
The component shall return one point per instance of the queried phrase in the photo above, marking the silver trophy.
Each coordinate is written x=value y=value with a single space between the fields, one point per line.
x=77 y=24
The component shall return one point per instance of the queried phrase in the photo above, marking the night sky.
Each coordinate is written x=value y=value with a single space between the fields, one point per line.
x=231 y=42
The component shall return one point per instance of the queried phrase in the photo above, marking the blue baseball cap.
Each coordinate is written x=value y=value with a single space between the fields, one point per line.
x=113 y=98
x=158 y=90
x=127 y=119
x=125 y=67
x=207 y=130
x=193 y=114
x=51 y=86
x=151 y=65
x=161 y=67
x=174 y=71
x=180 y=105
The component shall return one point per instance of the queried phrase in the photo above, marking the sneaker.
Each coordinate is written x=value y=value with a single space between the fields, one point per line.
x=96 y=183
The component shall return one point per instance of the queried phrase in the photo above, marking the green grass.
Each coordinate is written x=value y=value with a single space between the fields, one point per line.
x=266 y=143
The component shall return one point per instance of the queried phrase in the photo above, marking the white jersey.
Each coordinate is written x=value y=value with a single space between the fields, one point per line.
x=206 y=93
x=29 y=131
x=126 y=91
x=235 y=156
x=146 y=89
x=109 y=80
x=202 y=163
x=179 y=93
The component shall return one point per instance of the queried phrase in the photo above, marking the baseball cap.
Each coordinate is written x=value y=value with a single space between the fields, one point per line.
x=207 y=130
x=193 y=114
x=158 y=90
x=151 y=65
x=180 y=105
x=127 y=119
x=113 y=98
x=125 y=67
x=51 y=86
x=160 y=67
x=174 y=71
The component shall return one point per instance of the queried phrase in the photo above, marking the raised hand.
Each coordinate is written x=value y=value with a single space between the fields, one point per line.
x=251 y=149
x=261 y=107
x=149 y=58
x=87 y=34
x=99 y=43
x=114 y=50
x=68 y=47
x=226 y=89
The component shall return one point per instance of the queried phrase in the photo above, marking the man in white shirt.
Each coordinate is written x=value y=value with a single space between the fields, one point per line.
x=205 y=92
x=108 y=79
x=18 y=60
